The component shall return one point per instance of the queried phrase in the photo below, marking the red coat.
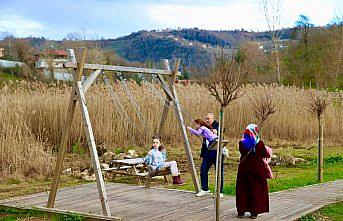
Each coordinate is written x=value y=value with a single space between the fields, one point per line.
x=251 y=184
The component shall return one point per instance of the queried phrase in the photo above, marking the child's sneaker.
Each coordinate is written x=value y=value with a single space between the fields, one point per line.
x=226 y=152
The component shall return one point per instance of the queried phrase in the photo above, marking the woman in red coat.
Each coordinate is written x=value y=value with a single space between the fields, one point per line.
x=251 y=184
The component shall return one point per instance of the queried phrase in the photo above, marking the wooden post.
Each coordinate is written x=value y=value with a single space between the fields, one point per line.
x=219 y=164
x=179 y=116
x=92 y=149
x=65 y=131
x=166 y=102
x=320 y=151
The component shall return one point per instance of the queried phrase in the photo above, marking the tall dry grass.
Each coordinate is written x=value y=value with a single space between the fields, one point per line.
x=32 y=115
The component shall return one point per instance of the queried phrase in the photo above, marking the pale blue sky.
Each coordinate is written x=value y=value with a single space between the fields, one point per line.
x=115 y=18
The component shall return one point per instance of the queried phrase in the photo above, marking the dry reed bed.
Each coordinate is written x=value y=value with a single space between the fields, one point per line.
x=32 y=115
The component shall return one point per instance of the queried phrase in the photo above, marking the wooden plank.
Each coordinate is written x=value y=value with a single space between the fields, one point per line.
x=93 y=151
x=86 y=85
x=135 y=202
x=134 y=161
x=129 y=70
x=182 y=125
x=65 y=133
x=92 y=197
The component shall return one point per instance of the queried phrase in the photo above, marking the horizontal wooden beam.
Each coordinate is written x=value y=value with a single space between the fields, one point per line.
x=53 y=211
x=120 y=68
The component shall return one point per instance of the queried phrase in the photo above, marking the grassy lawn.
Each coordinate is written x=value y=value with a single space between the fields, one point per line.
x=333 y=212
x=8 y=77
x=9 y=214
x=284 y=177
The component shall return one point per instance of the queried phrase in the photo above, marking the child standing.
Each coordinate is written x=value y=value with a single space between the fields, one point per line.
x=203 y=129
x=156 y=158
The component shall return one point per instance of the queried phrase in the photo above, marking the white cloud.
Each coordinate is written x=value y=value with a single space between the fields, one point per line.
x=230 y=16
x=17 y=25
x=239 y=14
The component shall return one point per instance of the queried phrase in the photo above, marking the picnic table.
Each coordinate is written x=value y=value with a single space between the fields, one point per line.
x=137 y=168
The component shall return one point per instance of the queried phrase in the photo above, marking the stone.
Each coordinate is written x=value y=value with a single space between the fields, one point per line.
x=299 y=160
x=85 y=172
x=89 y=178
x=108 y=157
x=120 y=156
x=104 y=166
x=131 y=154
x=67 y=171
x=101 y=149
x=290 y=161
x=77 y=173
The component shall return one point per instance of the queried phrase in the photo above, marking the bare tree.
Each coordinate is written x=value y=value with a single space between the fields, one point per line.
x=318 y=103
x=223 y=82
x=272 y=14
x=262 y=105
x=304 y=25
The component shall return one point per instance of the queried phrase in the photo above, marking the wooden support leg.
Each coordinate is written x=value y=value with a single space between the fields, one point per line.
x=186 y=143
x=93 y=151
x=67 y=126
x=182 y=125
x=62 y=150
x=166 y=178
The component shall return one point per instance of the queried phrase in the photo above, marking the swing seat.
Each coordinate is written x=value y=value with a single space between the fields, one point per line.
x=215 y=147
x=161 y=172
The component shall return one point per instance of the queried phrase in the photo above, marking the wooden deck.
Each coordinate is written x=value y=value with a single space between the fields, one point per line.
x=137 y=203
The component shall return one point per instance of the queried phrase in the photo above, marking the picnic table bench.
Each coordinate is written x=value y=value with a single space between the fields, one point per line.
x=137 y=168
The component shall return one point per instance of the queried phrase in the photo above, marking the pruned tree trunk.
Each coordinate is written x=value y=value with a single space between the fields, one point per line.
x=319 y=102
x=320 y=151
x=219 y=162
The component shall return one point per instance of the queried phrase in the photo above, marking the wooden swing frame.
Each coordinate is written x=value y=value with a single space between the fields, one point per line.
x=78 y=96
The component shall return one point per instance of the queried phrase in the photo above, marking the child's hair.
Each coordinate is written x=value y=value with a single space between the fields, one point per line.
x=161 y=147
x=203 y=123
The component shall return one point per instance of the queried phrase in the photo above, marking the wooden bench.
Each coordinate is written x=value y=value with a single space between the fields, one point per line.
x=137 y=168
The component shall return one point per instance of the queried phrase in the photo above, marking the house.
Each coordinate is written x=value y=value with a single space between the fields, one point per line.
x=2 y=52
x=50 y=63
x=55 y=57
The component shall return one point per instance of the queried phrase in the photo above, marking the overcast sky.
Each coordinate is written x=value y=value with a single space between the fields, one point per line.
x=115 y=18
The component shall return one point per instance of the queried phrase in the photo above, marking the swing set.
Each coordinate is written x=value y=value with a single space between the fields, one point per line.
x=78 y=96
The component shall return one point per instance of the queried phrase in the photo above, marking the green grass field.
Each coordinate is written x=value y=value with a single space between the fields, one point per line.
x=284 y=177
x=333 y=212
